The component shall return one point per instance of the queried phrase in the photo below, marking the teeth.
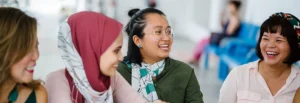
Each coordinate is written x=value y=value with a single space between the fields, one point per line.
x=164 y=45
x=271 y=53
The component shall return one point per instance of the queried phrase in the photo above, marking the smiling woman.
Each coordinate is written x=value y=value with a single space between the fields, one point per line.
x=91 y=52
x=18 y=56
x=273 y=78
x=147 y=66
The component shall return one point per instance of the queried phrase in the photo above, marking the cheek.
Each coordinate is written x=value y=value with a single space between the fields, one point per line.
x=284 y=48
x=107 y=62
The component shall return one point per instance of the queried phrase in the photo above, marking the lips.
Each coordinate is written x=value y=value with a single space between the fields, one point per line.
x=164 y=47
x=30 y=69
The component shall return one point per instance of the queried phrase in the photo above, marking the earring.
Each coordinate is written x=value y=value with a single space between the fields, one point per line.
x=139 y=46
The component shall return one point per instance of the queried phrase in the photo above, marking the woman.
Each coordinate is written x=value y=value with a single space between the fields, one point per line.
x=90 y=45
x=18 y=56
x=148 y=67
x=273 y=78
x=231 y=28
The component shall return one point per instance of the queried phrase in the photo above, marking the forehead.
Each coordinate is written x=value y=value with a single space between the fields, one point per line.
x=154 y=20
x=277 y=34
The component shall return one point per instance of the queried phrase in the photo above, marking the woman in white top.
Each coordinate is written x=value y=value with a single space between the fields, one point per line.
x=273 y=78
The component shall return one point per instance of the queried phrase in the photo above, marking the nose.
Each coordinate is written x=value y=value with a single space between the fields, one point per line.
x=36 y=54
x=120 y=56
x=271 y=44
x=165 y=36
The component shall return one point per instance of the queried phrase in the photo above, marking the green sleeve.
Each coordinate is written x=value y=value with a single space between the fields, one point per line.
x=193 y=93
x=125 y=71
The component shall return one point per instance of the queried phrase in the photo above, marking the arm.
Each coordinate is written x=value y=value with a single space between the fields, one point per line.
x=193 y=93
x=233 y=25
x=123 y=92
x=41 y=94
x=58 y=87
x=228 y=92
x=297 y=96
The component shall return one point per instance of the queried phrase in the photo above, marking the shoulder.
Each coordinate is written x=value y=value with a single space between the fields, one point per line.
x=179 y=65
x=124 y=66
x=57 y=76
x=41 y=94
x=242 y=72
x=56 y=81
x=246 y=67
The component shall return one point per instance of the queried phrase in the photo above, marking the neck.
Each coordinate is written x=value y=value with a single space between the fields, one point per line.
x=273 y=71
x=152 y=61
x=235 y=14
x=6 y=88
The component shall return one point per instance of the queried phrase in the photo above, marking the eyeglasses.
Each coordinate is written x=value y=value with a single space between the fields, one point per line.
x=159 y=33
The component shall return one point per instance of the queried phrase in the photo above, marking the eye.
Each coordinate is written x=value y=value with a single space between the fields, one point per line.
x=117 y=51
x=278 y=41
x=265 y=38
x=157 y=32
x=169 y=31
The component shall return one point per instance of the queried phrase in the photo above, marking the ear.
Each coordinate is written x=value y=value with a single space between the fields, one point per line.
x=137 y=41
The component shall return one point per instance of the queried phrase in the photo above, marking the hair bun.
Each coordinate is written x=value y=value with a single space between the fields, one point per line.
x=132 y=12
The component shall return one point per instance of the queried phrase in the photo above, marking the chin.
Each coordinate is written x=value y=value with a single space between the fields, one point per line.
x=27 y=80
x=272 y=62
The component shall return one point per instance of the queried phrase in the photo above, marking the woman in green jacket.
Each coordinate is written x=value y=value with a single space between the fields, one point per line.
x=148 y=67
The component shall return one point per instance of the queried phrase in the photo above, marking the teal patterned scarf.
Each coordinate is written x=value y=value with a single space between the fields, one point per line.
x=141 y=78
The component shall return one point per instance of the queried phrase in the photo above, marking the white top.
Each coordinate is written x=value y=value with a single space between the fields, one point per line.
x=245 y=84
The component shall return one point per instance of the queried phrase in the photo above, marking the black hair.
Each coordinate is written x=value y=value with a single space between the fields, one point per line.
x=275 y=24
x=236 y=3
x=136 y=26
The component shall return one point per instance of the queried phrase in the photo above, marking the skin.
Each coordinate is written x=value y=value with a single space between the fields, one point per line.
x=111 y=57
x=157 y=41
x=22 y=72
x=272 y=68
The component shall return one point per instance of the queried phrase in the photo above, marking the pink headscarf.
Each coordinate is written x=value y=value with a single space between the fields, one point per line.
x=92 y=33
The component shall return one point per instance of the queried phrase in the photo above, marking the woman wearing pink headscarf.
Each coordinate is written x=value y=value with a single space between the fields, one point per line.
x=90 y=45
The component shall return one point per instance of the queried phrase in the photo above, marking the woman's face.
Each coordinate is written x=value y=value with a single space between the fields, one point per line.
x=231 y=8
x=22 y=71
x=158 y=38
x=274 y=47
x=111 y=57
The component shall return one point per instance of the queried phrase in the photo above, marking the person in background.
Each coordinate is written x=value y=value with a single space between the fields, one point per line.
x=18 y=56
x=274 y=78
x=147 y=66
x=90 y=44
x=231 y=28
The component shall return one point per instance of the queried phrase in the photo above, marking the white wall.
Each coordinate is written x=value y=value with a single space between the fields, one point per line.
x=258 y=11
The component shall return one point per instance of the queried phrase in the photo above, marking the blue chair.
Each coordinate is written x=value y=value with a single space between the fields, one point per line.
x=238 y=52
x=247 y=35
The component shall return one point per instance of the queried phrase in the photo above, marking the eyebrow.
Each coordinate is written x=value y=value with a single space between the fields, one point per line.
x=161 y=27
x=279 y=37
x=119 y=47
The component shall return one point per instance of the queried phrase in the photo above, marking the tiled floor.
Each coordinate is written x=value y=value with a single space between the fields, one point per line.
x=182 y=50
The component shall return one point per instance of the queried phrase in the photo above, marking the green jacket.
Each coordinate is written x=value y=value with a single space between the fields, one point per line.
x=177 y=83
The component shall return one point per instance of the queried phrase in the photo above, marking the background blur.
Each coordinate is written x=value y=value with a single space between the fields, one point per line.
x=192 y=20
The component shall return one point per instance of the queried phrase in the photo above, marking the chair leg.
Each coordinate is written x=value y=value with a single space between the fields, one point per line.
x=206 y=60
x=223 y=70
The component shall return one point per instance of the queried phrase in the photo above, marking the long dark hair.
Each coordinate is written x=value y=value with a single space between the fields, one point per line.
x=136 y=26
